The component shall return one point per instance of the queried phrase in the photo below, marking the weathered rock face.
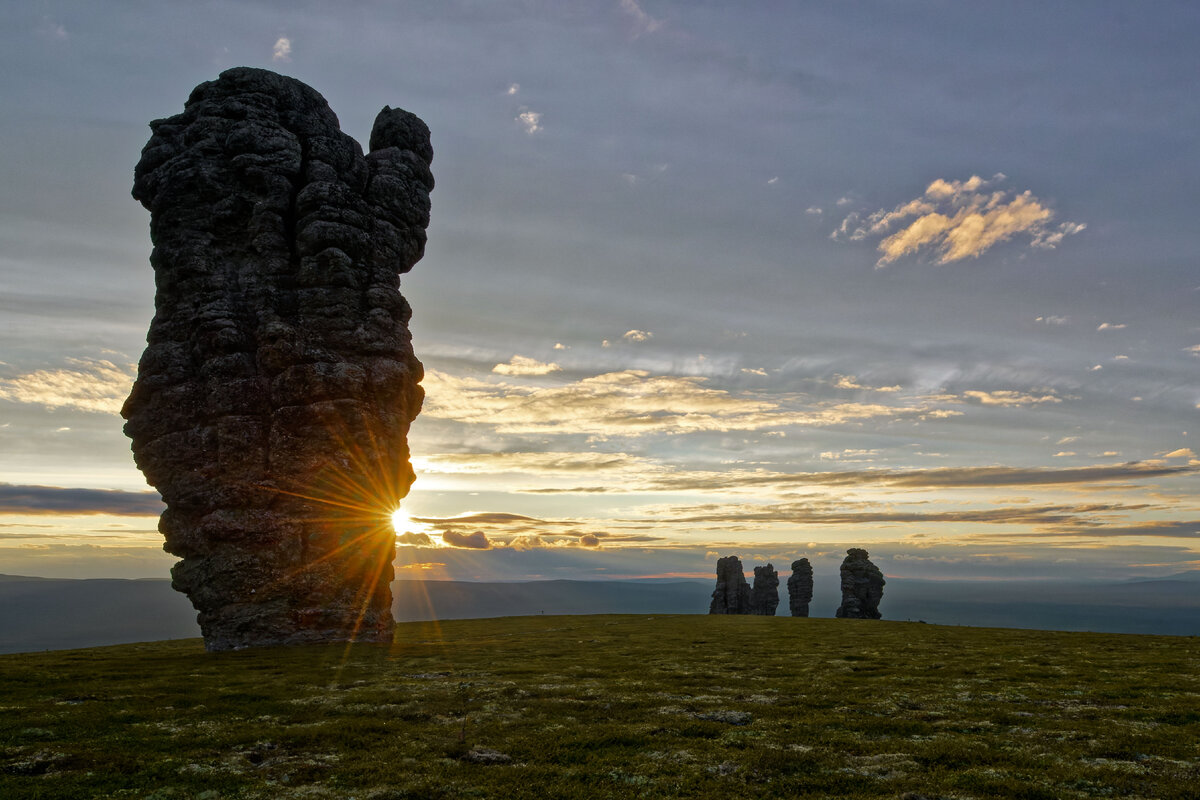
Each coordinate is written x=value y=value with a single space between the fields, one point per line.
x=732 y=595
x=764 y=597
x=273 y=400
x=800 y=588
x=862 y=586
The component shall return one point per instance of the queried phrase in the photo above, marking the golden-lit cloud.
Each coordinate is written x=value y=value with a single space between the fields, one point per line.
x=86 y=385
x=635 y=403
x=637 y=336
x=851 y=382
x=958 y=220
x=1007 y=397
x=521 y=365
x=414 y=539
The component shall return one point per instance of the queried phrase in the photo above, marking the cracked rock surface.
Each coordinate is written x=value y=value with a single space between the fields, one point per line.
x=274 y=397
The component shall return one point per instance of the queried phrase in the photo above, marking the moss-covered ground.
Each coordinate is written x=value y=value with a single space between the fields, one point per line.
x=614 y=706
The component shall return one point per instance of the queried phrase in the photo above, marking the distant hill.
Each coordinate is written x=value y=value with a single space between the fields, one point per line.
x=49 y=614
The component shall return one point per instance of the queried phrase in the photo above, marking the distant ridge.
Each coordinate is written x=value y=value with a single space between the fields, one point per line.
x=52 y=613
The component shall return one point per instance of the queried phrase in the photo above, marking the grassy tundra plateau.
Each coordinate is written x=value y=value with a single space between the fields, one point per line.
x=614 y=706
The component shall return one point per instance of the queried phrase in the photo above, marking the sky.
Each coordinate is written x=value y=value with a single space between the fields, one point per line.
x=771 y=279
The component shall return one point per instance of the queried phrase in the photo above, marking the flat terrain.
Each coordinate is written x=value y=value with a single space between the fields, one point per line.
x=614 y=706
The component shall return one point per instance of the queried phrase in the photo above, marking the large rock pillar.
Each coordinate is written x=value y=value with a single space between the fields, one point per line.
x=274 y=397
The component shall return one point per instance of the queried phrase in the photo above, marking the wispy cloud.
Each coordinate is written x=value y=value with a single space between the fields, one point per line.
x=1009 y=398
x=636 y=403
x=917 y=479
x=282 y=51
x=958 y=220
x=87 y=385
x=1111 y=326
x=513 y=88
x=643 y=23
x=521 y=365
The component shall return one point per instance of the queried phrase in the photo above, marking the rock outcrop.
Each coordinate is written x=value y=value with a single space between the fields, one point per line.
x=274 y=397
x=800 y=587
x=732 y=595
x=862 y=586
x=764 y=596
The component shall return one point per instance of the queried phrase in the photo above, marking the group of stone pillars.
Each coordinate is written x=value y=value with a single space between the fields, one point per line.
x=862 y=588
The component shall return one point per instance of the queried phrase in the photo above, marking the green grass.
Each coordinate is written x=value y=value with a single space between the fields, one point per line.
x=614 y=706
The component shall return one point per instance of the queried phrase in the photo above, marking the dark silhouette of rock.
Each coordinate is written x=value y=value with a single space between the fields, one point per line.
x=862 y=586
x=764 y=596
x=800 y=588
x=274 y=397
x=732 y=595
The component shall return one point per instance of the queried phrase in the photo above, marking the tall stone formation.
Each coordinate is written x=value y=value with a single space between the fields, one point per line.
x=862 y=586
x=800 y=588
x=273 y=401
x=764 y=596
x=732 y=595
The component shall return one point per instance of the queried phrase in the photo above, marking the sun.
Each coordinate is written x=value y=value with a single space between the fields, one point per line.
x=401 y=522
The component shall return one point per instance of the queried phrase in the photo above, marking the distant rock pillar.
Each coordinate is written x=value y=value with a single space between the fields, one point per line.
x=764 y=597
x=732 y=595
x=800 y=587
x=862 y=586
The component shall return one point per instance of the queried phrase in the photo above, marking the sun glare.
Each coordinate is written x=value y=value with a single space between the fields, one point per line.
x=400 y=520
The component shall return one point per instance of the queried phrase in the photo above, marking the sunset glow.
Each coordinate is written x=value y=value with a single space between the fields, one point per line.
x=698 y=282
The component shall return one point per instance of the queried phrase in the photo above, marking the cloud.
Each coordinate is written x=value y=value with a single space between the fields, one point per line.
x=637 y=336
x=564 y=462
x=468 y=541
x=589 y=540
x=1183 y=452
x=513 y=88
x=531 y=121
x=643 y=23
x=1194 y=349
x=1065 y=453
x=413 y=539
x=1006 y=397
x=1072 y=516
x=1111 y=326
x=520 y=365
x=636 y=403
x=282 y=51
x=53 y=30
x=772 y=180
x=815 y=210
x=1053 y=320
x=561 y=346
x=935 y=478
x=478 y=518
x=56 y=500
x=958 y=220
x=89 y=385
x=851 y=382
